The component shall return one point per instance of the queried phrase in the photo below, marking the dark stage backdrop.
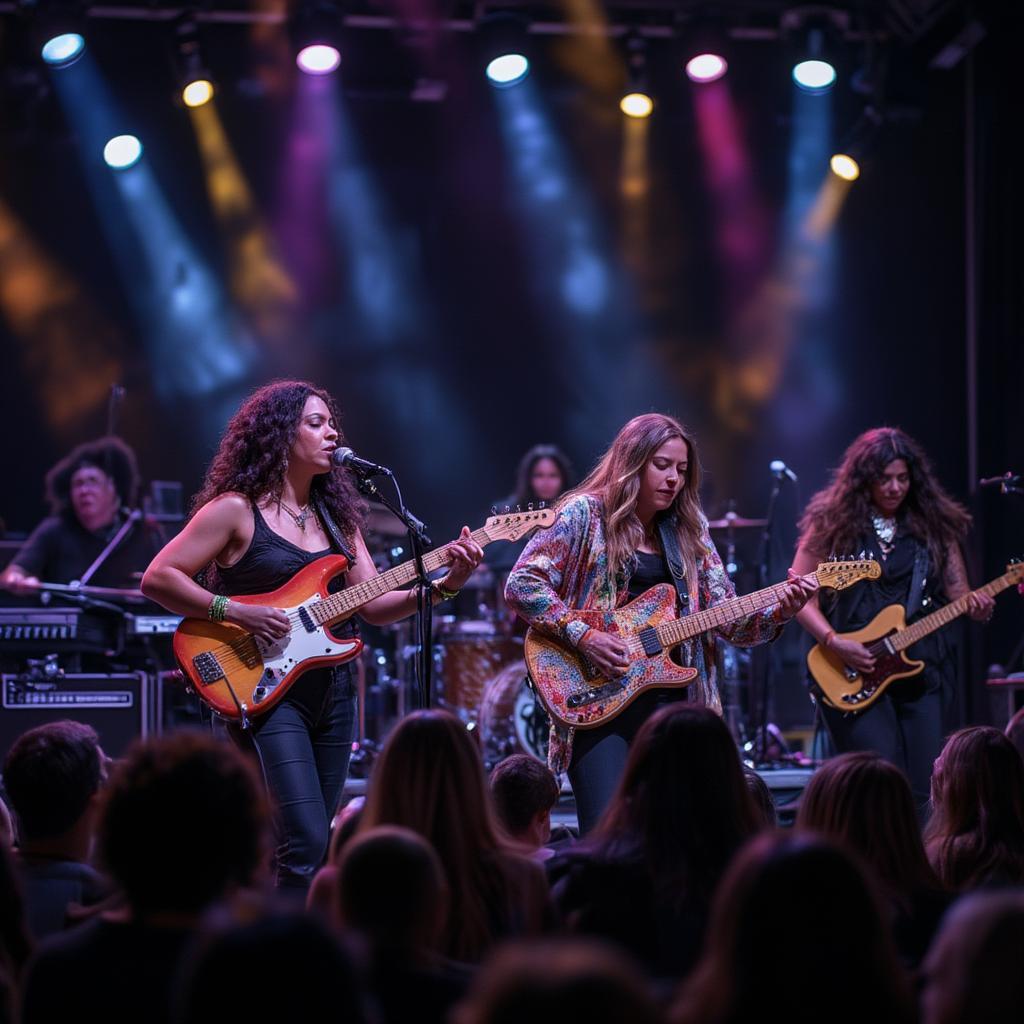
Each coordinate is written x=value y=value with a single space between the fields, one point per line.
x=481 y=360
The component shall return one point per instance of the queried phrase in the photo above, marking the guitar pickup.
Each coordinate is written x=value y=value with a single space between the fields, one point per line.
x=207 y=668
x=306 y=619
x=651 y=643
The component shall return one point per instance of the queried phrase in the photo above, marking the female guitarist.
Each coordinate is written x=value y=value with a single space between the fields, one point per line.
x=616 y=535
x=884 y=498
x=271 y=504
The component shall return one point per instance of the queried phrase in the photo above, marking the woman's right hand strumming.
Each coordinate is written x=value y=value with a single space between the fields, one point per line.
x=607 y=653
x=851 y=653
x=266 y=624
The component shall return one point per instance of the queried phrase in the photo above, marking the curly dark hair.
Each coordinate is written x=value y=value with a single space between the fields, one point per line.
x=253 y=453
x=839 y=515
x=111 y=455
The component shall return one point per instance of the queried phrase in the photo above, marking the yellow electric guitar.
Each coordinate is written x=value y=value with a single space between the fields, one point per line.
x=887 y=636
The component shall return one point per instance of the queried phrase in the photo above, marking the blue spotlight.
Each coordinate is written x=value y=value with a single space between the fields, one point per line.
x=63 y=50
x=814 y=75
x=122 y=152
x=508 y=69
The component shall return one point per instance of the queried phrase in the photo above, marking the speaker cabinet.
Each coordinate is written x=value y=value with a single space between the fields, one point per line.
x=116 y=706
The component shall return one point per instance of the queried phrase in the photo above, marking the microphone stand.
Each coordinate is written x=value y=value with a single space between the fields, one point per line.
x=133 y=517
x=759 y=731
x=418 y=541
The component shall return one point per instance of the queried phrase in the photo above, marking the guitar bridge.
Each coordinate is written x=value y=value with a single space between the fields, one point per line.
x=860 y=696
x=207 y=668
x=595 y=694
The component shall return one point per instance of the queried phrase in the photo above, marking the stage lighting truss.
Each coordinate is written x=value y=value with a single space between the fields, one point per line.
x=59 y=32
x=195 y=82
x=503 y=40
x=316 y=29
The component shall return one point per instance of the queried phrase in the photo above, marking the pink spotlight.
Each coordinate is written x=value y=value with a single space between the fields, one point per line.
x=318 y=59
x=706 y=67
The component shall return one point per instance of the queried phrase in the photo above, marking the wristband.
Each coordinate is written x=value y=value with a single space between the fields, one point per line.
x=218 y=608
x=444 y=593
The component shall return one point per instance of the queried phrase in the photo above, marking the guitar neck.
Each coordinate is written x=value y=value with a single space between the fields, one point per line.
x=678 y=630
x=348 y=600
x=948 y=612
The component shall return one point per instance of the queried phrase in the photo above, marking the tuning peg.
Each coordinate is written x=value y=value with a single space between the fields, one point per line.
x=529 y=507
x=508 y=508
x=494 y=510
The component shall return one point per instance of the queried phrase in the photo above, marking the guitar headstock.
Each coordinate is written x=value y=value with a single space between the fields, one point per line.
x=844 y=573
x=1015 y=570
x=513 y=523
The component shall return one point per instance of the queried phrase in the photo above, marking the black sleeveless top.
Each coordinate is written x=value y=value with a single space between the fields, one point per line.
x=649 y=570
x=269 y=562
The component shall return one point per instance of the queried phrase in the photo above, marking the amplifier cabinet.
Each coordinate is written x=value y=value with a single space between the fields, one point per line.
x=116 y=706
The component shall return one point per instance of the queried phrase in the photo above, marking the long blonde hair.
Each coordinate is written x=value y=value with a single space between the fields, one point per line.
x=615 y=482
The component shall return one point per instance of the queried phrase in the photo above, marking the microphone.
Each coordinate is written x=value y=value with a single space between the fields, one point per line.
x=361 y=467
x=780 y=469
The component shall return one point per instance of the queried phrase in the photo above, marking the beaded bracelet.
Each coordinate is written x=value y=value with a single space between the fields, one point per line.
x=218 y=608
x=444 y=593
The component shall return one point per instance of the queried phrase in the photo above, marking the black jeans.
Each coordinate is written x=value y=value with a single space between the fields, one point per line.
x=304 y=746
x=904 y=726
x=599 y=755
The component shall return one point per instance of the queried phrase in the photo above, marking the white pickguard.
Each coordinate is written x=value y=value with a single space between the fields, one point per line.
x=280 y=657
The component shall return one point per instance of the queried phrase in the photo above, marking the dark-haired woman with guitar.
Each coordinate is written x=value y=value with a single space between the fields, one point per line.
x=634 y=523
x=271 y=505
x=885 y=498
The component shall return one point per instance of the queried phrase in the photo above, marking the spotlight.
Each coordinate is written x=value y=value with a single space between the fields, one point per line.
x=316 y=37
x=195 y=80
x=845 y=166
x=122 y=152
x=62 y=50
x=706 y=67
x=59 y=30
x=814 y=68
x=636 y=104
x=503 y=47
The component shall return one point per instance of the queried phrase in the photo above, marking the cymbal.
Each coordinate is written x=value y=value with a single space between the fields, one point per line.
x=731 y=521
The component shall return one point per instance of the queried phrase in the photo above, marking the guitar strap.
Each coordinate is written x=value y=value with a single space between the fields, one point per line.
x=915 y=596
x=668 y=532
x=332 y=530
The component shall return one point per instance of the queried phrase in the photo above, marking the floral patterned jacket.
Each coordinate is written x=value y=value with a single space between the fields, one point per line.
x=566 y=567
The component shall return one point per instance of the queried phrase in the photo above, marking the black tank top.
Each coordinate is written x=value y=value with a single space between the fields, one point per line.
x=269 y=562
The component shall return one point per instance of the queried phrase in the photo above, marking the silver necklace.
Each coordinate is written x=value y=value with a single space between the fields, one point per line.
x=300 y=517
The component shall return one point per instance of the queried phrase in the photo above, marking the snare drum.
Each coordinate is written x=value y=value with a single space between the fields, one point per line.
x=467 y=654
x=512 y=719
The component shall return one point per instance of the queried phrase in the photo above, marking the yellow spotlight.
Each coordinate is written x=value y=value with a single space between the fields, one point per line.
x=196 y=93
x=636 y=104
x=845 y=167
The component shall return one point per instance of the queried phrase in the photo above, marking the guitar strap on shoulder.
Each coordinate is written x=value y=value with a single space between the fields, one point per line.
x=668 y=532
x=915 y=596
x=332 y=529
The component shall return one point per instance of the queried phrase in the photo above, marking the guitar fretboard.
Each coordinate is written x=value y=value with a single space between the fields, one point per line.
x=951 y=611
x=351 y=598
x=678 y=630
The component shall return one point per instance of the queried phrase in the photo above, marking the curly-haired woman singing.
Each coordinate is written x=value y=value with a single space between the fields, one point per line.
x=884 y=498
x=271 y=504
x=615 y=537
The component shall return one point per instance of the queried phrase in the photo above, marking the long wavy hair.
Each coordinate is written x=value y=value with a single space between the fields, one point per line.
x=253 y=455
x=524 y=489
x=430 y=778
x=615 y=482
x=838 y=516
x=864 y=802
x=829 y=910
x=664 y=811
x=976 y=832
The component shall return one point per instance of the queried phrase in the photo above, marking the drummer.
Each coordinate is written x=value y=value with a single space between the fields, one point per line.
x=544 y=473
x=91 y=493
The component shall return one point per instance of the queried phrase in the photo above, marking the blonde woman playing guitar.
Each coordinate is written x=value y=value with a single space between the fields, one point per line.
x=265 y=512
x=885 y=500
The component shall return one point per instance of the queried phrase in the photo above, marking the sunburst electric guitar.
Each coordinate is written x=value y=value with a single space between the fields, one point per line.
x=577 y=695
x=239 y=676
x=887 y=636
